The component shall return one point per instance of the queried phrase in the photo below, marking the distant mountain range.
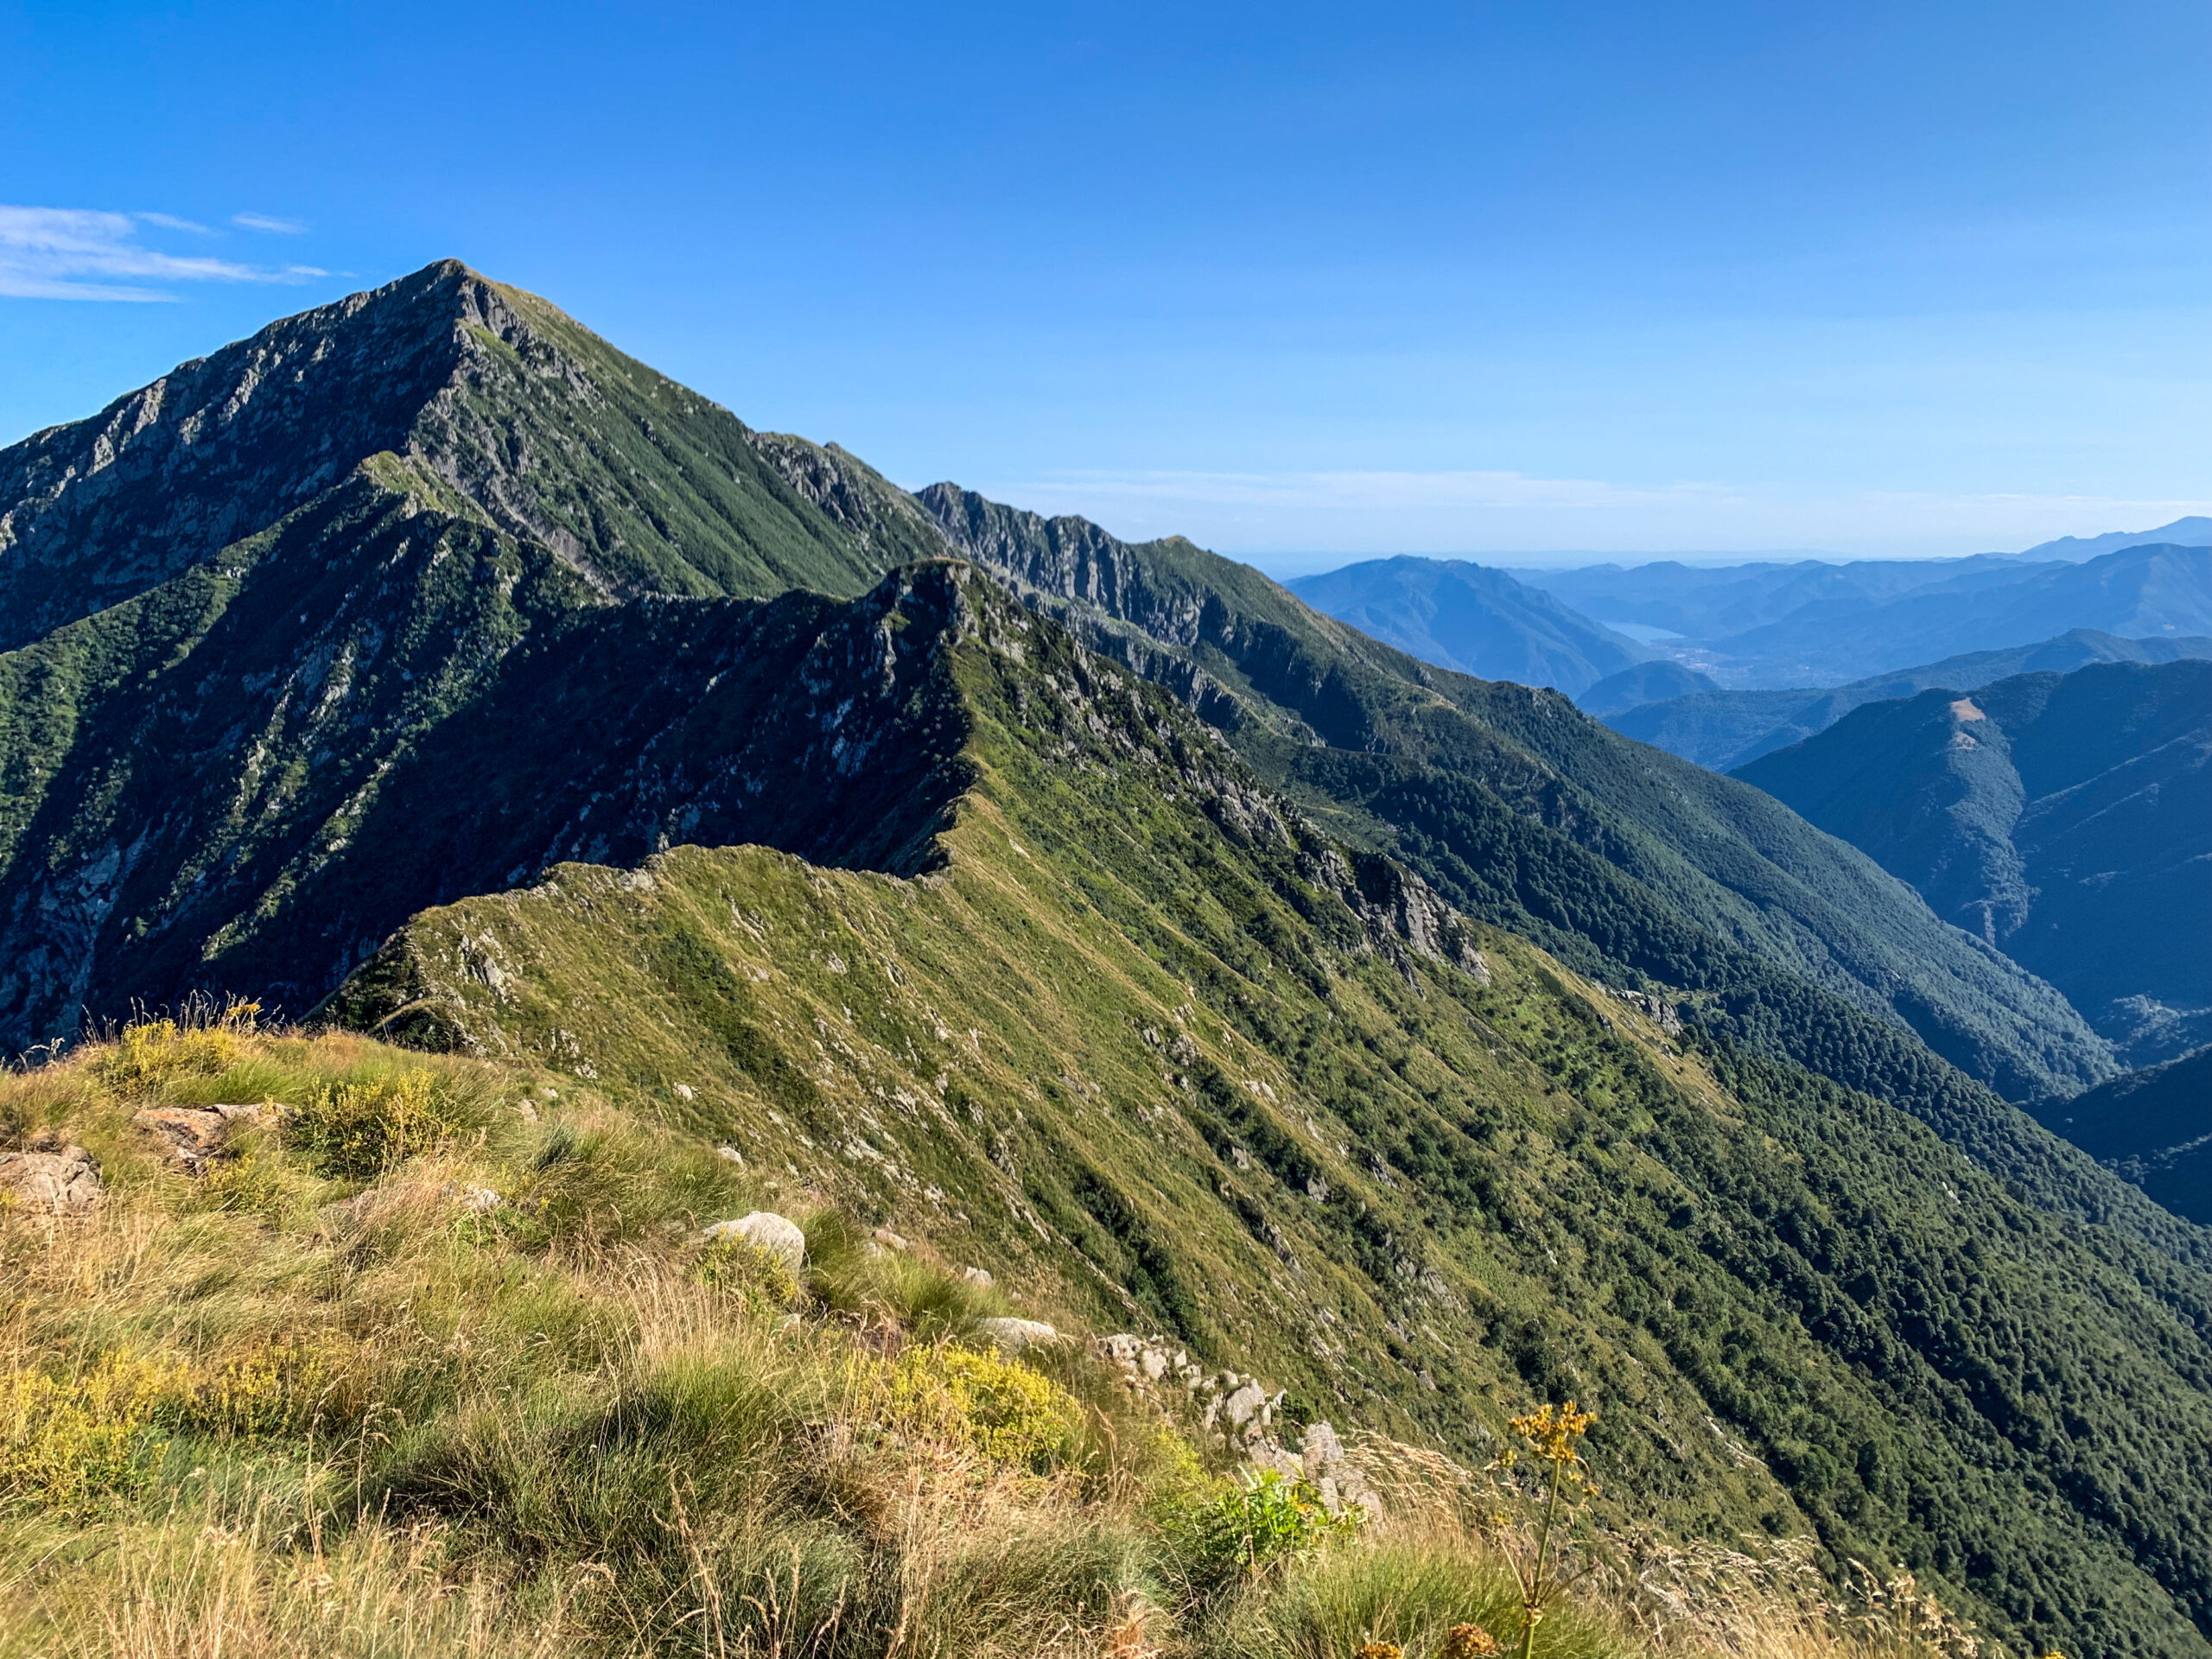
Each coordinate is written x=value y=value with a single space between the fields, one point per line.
x=2194 y=531
x=2066 y=819
x=1726 y=729
x=1767 y=625
x=1478 y=620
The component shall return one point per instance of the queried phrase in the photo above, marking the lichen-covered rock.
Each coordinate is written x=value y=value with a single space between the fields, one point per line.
x=65 y=1181
x=194 y=1135
x=1016 y=1336
x=764 y=1229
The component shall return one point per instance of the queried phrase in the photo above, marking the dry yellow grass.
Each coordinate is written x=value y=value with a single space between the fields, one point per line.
x=301 y=1407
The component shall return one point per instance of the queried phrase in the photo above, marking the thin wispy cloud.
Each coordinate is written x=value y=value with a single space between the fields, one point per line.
x=80 y=253
x=270 y=222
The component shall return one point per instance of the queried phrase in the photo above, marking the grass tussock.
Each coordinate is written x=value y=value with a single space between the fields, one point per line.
x=424 y=1363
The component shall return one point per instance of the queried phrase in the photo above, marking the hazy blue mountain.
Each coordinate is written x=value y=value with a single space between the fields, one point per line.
x=1653 y=682
x=1726 y=729
x=2138 y=593
x=2154 y=1126
x=1772 y=625
x=2065 y=818
x=1713 y=602
x=2194 y=531
x=1468 y=616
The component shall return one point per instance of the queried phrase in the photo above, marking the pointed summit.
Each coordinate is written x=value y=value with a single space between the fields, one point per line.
x=638 y=484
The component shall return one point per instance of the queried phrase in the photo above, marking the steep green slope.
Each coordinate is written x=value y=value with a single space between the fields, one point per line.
x=2065 y=818
x=1147 y=1040
x=242 y=779
x=2155 y=1125
x=1395 y=748
x=1728 y=729
x=1462 y=616
x=1526 y=813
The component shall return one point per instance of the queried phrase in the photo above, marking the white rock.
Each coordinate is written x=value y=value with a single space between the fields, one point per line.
x=730 y=1154
x=889 y=1240
x=766 y=1230
x=1244 y=1405
x=977 y=1276
x=1013 y=1335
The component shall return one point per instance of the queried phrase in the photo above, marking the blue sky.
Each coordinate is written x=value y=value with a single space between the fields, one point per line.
x=1294 y=280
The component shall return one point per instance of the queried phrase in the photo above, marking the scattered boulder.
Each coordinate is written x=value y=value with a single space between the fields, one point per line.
x=978 y=1276
x=62 y=1180
x=887 y=1239
x=194 y=1135
x=1340 y=1481
x=481 y=1200
x=730 y=1155
x=1240 y=1413
x=1145 y=1361
x=764 y=1229
x=1014 y=1336
x=1244 y=1405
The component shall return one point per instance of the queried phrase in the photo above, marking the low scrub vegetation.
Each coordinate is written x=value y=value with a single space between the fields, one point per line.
x=428 y=1362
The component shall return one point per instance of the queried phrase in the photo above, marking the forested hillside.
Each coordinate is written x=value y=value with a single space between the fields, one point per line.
x=2067 y=819
x=1142 y=1035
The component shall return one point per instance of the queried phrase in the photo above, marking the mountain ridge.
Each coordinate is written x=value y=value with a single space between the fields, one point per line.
x=1725 y=730
x=1095 y=1029
x=2059 y=816
x=1472 y=618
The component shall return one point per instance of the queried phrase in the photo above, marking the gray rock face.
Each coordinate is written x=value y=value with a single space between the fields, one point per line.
x=1017 y=1336
x=195 y=1135
x=66 y=1183
x=764 y=1229
x=977 y=1276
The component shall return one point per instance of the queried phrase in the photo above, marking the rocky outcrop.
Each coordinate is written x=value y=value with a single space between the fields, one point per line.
x=1242 y=1414
x=55 y=1180
x=195 y=1137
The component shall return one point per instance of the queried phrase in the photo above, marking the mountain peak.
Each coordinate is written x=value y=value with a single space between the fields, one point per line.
x=638 y=484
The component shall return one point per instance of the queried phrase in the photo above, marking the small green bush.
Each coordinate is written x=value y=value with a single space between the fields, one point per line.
x=1261 y=1524
x=72 y=1446
x=357 y=1130
x=760 y=1278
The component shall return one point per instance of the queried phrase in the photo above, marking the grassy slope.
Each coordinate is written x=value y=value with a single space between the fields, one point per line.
x=1132 y=1045
x=317 y=1403
x=2062 y=815
x=1723 y=892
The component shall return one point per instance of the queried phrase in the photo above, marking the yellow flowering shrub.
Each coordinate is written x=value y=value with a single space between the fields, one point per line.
x=985 y=1403
x=357 y=1130
x=71 y=1444
x=151 y=1050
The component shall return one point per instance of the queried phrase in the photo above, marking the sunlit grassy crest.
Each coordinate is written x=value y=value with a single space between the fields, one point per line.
x=365 y=1414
